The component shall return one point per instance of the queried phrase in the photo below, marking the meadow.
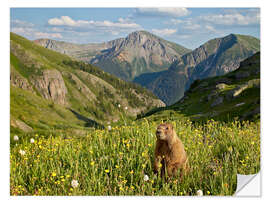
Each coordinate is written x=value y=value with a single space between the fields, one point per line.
x=118 y=160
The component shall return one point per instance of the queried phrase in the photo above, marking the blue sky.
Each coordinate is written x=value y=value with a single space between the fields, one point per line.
x=189 y=27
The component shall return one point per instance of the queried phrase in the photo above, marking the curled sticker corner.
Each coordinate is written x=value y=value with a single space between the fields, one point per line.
x=248 y=185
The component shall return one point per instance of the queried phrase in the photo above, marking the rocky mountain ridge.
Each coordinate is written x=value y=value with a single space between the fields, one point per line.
x=140 y=52
x=216 y=57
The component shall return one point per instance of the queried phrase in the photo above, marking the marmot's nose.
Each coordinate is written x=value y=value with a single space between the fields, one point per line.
x=158 y=132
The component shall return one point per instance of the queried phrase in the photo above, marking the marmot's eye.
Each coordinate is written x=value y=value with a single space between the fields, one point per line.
x=167 y=128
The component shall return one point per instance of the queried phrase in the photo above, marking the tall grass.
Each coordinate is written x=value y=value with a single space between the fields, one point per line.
x=115 y=162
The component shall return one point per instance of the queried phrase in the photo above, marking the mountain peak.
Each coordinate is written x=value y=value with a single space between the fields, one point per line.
x=141 y=37
x=140 y=32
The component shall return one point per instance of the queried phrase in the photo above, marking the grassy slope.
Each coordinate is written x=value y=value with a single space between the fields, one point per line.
x=115 y=162
x=29 y=60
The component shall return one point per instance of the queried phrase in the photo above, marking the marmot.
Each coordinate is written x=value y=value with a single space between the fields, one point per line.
x=169 y=152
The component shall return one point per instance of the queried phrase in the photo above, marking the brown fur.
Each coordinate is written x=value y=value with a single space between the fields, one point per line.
x=169 y=151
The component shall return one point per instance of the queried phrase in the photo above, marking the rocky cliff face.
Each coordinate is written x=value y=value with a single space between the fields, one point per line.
x=17 y=80
x=51 y=86
x=216 y=57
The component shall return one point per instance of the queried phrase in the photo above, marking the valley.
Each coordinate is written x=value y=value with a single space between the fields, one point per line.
x=163 y=67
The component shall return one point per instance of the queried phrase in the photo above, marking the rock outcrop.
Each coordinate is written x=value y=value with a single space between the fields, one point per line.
x=21 y=125
x=241 y=88
x=51 y=86
x=19 y=81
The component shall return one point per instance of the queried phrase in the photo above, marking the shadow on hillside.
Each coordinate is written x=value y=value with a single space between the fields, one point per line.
x=88 y=122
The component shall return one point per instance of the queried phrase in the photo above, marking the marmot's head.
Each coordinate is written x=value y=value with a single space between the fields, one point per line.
x=165 y=131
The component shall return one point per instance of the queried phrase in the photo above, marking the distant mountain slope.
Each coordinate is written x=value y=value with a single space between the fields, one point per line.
x=140 y=52
x=84 y=52
x=51 y=89
x=236 y=94
x=215 y=57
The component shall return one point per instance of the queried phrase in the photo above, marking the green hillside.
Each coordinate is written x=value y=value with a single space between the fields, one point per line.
x=50 y=90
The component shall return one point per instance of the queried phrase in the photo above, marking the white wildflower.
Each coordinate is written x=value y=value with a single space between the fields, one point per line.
x=240 y=104
x=74 y=183
x=15 y=138
x=22 y=152
x=199 y=193
x=119 y=105
x=145 y=178
x=32 y=140
x=126 y=108
x=109 y=127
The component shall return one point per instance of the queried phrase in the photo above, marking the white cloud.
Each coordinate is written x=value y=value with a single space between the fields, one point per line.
x=64 y=20
x=22 y=31
x=20 y=23
x=29 y=30
x=164 y=32
x=232 y=19
x=172 y=12
x=194 y=26
x=47 y=35
x=175 y=21
x=211 y=28
x=69 y=22
x=33 y=33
